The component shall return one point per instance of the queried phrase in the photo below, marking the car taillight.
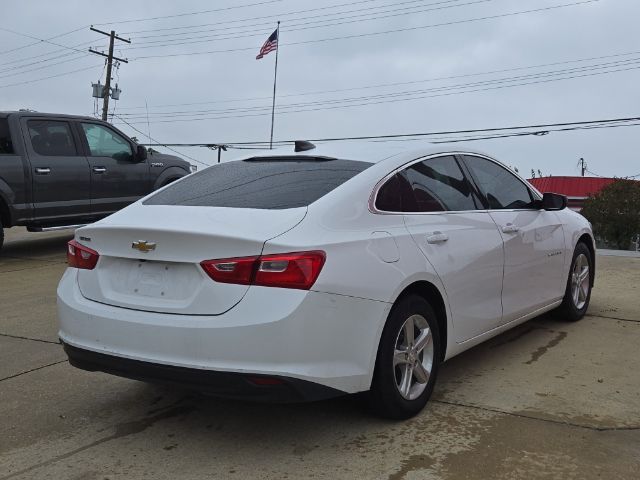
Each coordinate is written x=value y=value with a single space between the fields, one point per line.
x=297 y=270
x=289 y=270
x=231 y=270
x=79 y=256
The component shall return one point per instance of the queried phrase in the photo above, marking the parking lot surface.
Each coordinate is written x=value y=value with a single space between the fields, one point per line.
x=548 y=399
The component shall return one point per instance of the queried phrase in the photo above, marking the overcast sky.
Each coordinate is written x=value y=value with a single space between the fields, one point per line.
x=225 y=95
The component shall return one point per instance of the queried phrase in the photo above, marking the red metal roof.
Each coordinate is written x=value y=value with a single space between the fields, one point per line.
x=571 y=186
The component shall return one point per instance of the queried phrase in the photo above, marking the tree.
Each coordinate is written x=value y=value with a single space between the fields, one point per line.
x=614 y=212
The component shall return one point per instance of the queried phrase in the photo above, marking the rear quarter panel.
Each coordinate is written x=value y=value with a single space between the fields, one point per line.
x=369 y=256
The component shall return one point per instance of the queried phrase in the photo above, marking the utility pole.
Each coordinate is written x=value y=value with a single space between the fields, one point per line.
x=219 y=148
x=583 y=166
x=107 y=82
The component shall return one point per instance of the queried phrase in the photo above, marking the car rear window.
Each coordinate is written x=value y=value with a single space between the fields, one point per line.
x=261 y=183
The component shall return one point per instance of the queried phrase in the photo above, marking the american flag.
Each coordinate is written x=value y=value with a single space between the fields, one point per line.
x=270 y=45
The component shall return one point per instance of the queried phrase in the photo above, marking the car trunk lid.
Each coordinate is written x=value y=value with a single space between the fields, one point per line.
x=150 y=255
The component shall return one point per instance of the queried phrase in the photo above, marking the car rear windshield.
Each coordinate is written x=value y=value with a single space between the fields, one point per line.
x=260 y=183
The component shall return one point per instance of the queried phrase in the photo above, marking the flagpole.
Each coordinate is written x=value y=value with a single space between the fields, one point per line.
x=275 y=80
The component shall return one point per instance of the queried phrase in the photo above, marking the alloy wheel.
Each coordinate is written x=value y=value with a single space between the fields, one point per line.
x=580 y=281
x=413 y=357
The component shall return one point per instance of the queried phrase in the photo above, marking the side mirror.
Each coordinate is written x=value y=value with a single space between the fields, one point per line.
x=141 y=154
x=553 y=201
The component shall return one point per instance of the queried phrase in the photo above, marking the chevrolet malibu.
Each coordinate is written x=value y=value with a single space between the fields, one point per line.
x=306 y=274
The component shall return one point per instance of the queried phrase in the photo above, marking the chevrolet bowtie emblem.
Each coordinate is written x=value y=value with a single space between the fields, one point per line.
x=143 y=246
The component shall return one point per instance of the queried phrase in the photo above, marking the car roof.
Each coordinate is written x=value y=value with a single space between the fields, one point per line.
x=371 y=152
x=32 y=113
x=387 y=156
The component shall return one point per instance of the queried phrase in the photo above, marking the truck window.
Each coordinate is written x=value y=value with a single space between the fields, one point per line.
x=51 y=138
x=6 y=147
x=104 y=142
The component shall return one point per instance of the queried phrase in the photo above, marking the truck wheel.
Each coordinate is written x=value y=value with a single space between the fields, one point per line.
x=169 y=182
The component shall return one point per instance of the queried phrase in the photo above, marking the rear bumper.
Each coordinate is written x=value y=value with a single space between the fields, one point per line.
x=222 y=384
x=323 y=339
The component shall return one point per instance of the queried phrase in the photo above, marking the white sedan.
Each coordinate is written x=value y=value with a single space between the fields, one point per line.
x=300 y=275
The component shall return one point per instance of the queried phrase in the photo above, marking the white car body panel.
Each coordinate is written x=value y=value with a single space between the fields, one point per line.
x=534 y=257
x=168 y=278
x=471 y=256
x=328 y=335
x=311 y=336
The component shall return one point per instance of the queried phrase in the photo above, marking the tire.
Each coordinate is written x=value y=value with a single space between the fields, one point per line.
x=578 y=291
x=169 y=182
x=398 y=390
x=1 y=235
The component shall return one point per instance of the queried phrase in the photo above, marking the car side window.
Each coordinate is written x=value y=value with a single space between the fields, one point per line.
x=502 y=188
x=104 y=142
x=51 y=138
x=438 y=184
x=6 y=147
x=433 y=185
x=388 y=198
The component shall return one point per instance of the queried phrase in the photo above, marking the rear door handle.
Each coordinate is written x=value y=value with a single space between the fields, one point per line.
x=510 y=228
x=43 y=171
x=437 y=237
x=99 y=169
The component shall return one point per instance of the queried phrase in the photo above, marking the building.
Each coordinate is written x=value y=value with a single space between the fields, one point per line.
x=577 y=189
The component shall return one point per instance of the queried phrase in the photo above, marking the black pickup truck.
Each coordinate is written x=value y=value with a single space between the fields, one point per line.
x=60 y=171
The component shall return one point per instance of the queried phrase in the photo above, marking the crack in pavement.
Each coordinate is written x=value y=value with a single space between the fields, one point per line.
x=28 y=338
x=529 y=417
x=613 y=318
x=121 y=430
x=49 y=264
x=32 y=370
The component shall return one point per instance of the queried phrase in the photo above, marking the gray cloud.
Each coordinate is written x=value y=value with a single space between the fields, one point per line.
x=602 y=28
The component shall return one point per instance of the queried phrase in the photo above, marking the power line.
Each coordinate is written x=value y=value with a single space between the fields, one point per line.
x=593 y=173
x=434 y=140
x=74 y=48
x=397 y=98
x=201 y=12
x=398 y=94
x=65 y=55
x=541 y=133
x=386 y=32
x=536 y=127
x=292 y=27
x=323 y=9
x=382 y=85
x=40 y=41
x=13 y=63
x=73 y=59
x=50 y=76
x=160 y=144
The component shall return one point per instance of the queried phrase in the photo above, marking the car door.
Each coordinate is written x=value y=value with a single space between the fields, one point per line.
x=533 y=239
x=117 y=177
x=59 y=171
x=445 y=218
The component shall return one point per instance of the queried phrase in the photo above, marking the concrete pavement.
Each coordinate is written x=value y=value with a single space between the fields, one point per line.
x=549 y=399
